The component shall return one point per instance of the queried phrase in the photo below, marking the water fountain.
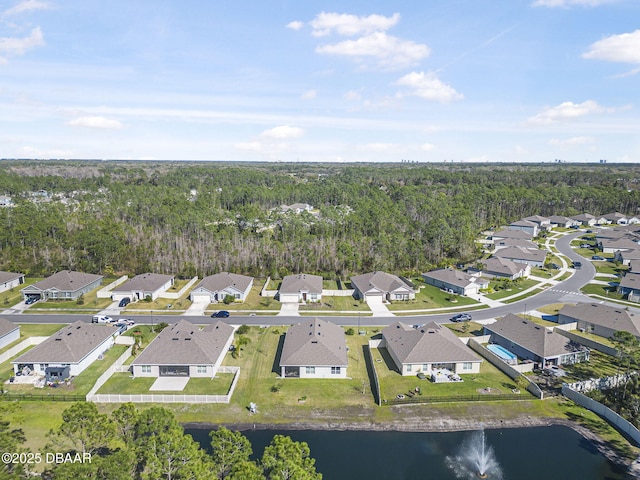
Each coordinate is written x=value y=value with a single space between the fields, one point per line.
x=476 y=459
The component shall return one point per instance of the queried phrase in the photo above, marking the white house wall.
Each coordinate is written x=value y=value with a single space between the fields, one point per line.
x=323 y=372
x=10 y=338
x=9 y=285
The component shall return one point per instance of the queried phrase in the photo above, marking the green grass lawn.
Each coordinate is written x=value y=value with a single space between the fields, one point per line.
x=516 y=288
x=595 y=338
x=602 y=290
x=609 y=268
x=169 y=304
x=90 y=301
x=542 y=272
x=13 y=296
x=599 y=365
x=124 y=384
x=552 y=308
x=465 y=329
x=79 y=385
x=347 y=304
x=393 y=384
x=431 y=297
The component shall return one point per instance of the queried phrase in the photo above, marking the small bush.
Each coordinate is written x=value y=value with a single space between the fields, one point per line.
x=242 y=330
x=350 y=331
x=161 y=326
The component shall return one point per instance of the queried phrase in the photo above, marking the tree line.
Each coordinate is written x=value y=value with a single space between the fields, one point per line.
x=150 y=445
x=196 y=219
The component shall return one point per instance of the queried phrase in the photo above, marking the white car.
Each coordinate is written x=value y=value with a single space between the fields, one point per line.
x=101 y=319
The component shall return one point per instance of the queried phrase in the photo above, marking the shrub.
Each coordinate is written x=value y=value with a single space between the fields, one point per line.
x=350 y=331
x=242 y=330
x=161 y=326
x=228 y=299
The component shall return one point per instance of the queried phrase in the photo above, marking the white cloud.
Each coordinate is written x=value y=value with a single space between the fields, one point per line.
x=282 y=132
x=26 y=6
x=623 y=48
x=427 y=147
x=389 y=51
x=95 y=122
x=378 y=147
x=295 y=25
x=309 y=95
x=568 y=3
x=350 y=25
x=428 y=87
x=352 y=96
x=18 y=46
x=571 y=141
x=565 y=111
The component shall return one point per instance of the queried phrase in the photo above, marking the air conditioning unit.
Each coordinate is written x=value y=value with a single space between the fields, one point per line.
x=581 y=330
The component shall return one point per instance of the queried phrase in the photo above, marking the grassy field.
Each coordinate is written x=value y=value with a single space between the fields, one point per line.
x=392 y=383
x=516 y=288
x=595 y=338
x=552 y=308
x=125 y=384
x=465 y=329
x=602 y=290
x=346 y=304
x=431 y=297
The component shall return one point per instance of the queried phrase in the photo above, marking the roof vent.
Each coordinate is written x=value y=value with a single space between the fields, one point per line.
x=175 y=338
x=58 y=339
x=187 y=339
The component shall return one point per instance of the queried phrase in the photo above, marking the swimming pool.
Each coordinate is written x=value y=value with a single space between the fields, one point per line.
x=503 y=353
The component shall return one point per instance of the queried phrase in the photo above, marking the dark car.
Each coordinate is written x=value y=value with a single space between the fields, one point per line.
x=124 y=302
x=30 y=300
x=461 y=317
x=577 y=265
x=220 y=314
x=597 y=257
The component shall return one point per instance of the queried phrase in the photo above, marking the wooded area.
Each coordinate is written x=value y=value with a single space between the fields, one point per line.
x=200 y=218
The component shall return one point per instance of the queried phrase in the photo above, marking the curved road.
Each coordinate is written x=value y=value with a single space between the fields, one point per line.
x=567 y=291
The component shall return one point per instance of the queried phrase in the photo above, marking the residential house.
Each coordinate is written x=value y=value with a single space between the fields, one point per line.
x=496 y=267
x=296 y=208
x=64 y=285
x=515 y=242
x=600 y=319
x=562 y=221
x=634 y=265
x=585 y=219
x=627 y=256
x=526 y=226
x=633 y=220
x=141 y=286
x=68 y=352
x=530 y=341
x=382 y=284
x=629 y=286
x=519 y=234
x=617 y=218
x=9 y=280
x=427 y=349
x=215 y=288
x=185 y=350
x=314 y=349
x=9 y=332
x=535 y=258
x=623 y=244
x=300 y=288
x=543 y=223
x=6 y=201
x=455 y=281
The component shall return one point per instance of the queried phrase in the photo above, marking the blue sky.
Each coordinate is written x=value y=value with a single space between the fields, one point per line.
x=291 y=80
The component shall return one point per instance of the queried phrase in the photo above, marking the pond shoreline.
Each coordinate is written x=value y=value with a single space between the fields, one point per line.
x=438 y=425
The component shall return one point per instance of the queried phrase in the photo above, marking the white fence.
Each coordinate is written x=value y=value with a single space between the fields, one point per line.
x=338 y=293
x=612 y=417
x=267 y=293
x=27 y=342
x=167 y=398
x=106 y=291
x=102 y=379
x=182 y=291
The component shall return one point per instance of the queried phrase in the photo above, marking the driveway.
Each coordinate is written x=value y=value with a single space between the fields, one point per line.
x=378 y=308
x=197 y=308
x=289 y=308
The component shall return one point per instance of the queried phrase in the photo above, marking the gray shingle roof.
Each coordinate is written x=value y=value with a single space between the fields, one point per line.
x=223 y=280
x=183 y=343
x=631 y=280
x=6 y=326
x=145 y=282
x=503 y=266
x=303 y=282
x=531 y=336
x=431 y=343
x=615 y=318
x=66 y=281
x=451 y=276
x=513 y=234
x=382 y=281
x=68 y=345
x=9 y=276
x=519 y=253
x=314 y=343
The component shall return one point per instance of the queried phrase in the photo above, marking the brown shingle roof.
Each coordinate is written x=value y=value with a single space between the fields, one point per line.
x=68 y=345
x=294 y=284
x=431 y=343
x=145 y=282
x=223 y=280
x=615 y=318
x=314 y=343
x=183 y=343
x=66 y=281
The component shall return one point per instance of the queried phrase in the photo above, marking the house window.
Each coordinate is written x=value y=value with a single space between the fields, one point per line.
x=425 y=367
x=467 y=366
x=201 y=369
x=408 y=368
x=311 y=370
x=145 y=369
x=335 y=370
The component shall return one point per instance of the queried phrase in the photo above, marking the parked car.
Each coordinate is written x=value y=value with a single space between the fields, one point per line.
x=220 y=314
x=31 y=300
x=461 y=317
x=597 y=257
x=122 y=327
x=124 y=302
x=554 y=266
x=577 y=265
x=101 y=319
x=585 y=245
x=127 y=321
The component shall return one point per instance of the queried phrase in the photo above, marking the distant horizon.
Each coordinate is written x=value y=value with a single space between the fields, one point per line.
x=354 y=82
